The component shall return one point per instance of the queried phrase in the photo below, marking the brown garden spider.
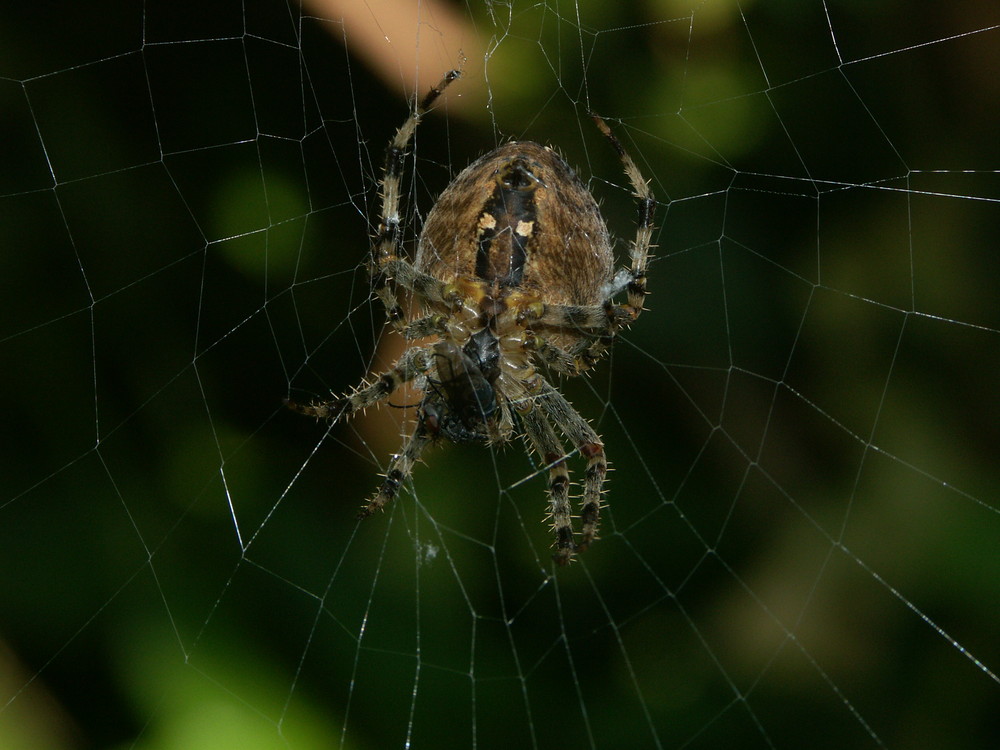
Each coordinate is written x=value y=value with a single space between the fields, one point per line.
x=513 y=268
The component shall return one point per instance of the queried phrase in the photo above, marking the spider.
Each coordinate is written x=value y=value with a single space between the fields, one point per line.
x=513 y=269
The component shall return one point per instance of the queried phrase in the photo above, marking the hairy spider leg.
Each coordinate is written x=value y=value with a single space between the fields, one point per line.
x=549 y=448
x=579 y=432
x=388 y=242
x=414 y=362
x=399 y=469
x=634 y=278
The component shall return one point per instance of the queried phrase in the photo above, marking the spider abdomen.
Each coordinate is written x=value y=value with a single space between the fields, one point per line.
x=519 y=217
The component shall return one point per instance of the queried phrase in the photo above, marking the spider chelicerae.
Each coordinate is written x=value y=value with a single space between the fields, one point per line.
x=514 y=268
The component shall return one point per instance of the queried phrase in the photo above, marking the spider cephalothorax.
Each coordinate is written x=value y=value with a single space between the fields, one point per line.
x=514 y=268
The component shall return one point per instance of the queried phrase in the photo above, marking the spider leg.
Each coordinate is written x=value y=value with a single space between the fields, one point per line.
x=425 y=286
x=633 y=279
x=399 y=469
x=597 y=325
x=580 y=356
x=579 y=432
x=601 y=322
x=388 y=242
x=572 y=360
x=548 y=446
x=430 y=325
x=556 y=358
x=414 y=362
x=589 y=351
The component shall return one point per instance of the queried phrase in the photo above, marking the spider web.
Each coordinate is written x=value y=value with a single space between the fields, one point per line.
x=800 y=544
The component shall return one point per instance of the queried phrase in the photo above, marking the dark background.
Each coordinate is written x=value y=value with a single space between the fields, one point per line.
x=801 y=544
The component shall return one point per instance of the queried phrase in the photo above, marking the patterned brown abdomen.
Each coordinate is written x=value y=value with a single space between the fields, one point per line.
x=538 y=228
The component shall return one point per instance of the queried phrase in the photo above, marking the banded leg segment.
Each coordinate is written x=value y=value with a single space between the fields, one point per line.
x=574 y=360
x=434 y=324
x=414 y=362
x=561 y=360
x=388 y=242
x=634 y=278
x=547 y=445
x=399 y=470
x=579 y=432
x=425 y=286
x=596 y=325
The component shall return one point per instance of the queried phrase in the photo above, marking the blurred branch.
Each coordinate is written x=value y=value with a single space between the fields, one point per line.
x=407 y=44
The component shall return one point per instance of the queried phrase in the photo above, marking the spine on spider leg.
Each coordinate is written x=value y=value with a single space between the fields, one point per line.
x=386 y=247
x=406 y=130
x=594 y=477
x=361 y=398
x=542 y=437
x=397 y=146
x=399 y=470
x=395 y=315
x=434 y=93
x=561 y=361
x=560 y=509
x=646 y=208
x=587 y=441
x=347 y=405
x=388 y=239
x=386 y=493
x=331 y=410
x=592 y=353
x=414 y=362
x=640 y=249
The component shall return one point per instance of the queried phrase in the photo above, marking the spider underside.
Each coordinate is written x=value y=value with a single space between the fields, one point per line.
x=513 y=268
